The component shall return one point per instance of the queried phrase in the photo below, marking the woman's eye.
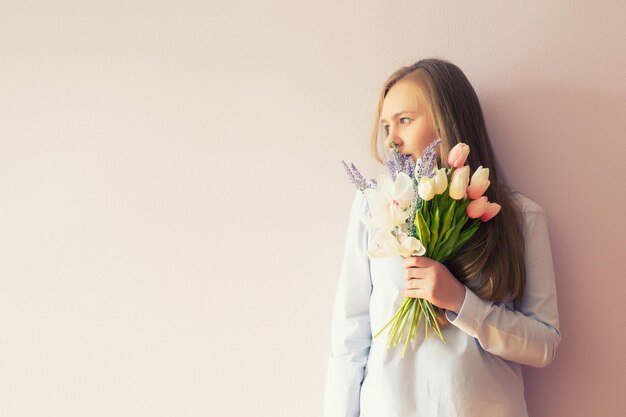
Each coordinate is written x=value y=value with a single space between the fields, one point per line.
x=386 y=127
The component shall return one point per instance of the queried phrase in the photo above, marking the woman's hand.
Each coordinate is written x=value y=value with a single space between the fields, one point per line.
x=432 y=281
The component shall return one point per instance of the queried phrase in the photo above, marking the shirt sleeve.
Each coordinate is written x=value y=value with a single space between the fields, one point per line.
x=529 y=336
x=351 y=334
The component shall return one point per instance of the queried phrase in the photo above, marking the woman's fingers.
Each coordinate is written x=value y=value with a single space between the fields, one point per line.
x=412 y=273
x=415 y=283
x=413 y=293
x=419 y=262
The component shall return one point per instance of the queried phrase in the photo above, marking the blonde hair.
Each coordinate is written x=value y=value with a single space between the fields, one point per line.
x=492 y=262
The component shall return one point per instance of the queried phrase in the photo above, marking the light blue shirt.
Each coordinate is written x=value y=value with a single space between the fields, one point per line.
x=476 y=374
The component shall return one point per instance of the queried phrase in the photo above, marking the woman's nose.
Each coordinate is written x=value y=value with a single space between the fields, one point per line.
x=393 y=137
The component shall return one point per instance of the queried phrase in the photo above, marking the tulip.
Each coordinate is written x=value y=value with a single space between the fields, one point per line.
x=440 y=181
x=458 y=155
x=458 y=183
x=477 y=208
x=426 y=189
x=490 y=212
x=479 y=183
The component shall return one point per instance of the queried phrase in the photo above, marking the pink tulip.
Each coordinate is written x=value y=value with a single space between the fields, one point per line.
x=458 y=183
x=458 y=155
x=490 y=212
x=477 y=208
x=479 y=183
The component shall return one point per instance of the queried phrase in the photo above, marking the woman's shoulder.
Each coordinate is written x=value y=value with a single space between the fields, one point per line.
x=359 y=201
x=359 y=207
x=525 y=203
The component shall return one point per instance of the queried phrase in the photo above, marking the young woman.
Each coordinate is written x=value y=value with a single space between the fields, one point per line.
x=498 y=295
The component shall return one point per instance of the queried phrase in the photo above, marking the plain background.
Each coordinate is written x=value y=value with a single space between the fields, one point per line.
x=173 y=206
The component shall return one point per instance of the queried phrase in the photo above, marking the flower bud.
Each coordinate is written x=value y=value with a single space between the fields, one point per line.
x=490 y=212
x=440 y=181
x=477 y=208
x=426 y=189
x=479 y=183
x=458 y=155
x=458 y=183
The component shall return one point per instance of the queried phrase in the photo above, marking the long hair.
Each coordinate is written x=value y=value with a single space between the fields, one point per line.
x=492 y=262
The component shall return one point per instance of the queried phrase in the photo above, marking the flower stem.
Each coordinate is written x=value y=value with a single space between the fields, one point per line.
x=405 y=305
x=409 y=336
x=402 y=327
x=389 y=322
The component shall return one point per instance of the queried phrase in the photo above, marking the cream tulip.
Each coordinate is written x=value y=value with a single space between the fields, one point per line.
x=479 y=183
x=440 y=181
x=459 y=182
x=426 y=189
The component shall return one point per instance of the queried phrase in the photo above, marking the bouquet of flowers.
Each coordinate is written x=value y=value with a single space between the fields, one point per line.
x=419 y=210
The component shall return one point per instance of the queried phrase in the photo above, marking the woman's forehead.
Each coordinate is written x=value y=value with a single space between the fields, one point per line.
x=401 y=98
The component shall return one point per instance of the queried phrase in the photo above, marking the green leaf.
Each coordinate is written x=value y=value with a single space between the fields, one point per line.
x=446 y=228
x=422 y=229
x=443 y=241
x=462 y=239
x=460 y=211
x=461 y=222
x=468 y=233
x=446 y=248
x=434 y=232
x=449 y=216
x=426 y=211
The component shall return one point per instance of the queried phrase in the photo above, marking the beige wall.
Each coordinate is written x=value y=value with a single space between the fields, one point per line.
x=173 y=206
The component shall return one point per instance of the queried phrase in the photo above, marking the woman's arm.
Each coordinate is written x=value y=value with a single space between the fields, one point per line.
x=350 y=326
x=529 y=336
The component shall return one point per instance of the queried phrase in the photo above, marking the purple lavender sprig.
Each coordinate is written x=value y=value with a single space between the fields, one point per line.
x=426 y=163
x=400 y=163
x=357 y=178
x=424 y=168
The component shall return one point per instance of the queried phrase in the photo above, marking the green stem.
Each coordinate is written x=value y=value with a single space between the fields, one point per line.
x=403 y=309
x=401 y=328
x=409 y=336
x=389 y=322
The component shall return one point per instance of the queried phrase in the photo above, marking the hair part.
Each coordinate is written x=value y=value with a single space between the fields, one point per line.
x=492 y=262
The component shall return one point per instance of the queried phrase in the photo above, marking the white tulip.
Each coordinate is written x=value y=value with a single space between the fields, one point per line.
x=440 y=181
x=459 y=182
x=481 y=174
x=479 y=183
x=426 y=189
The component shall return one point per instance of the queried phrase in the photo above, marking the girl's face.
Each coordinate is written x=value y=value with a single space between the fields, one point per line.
x=406 y=120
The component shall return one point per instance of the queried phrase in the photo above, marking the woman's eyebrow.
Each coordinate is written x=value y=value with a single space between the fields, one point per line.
x=398 y=114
